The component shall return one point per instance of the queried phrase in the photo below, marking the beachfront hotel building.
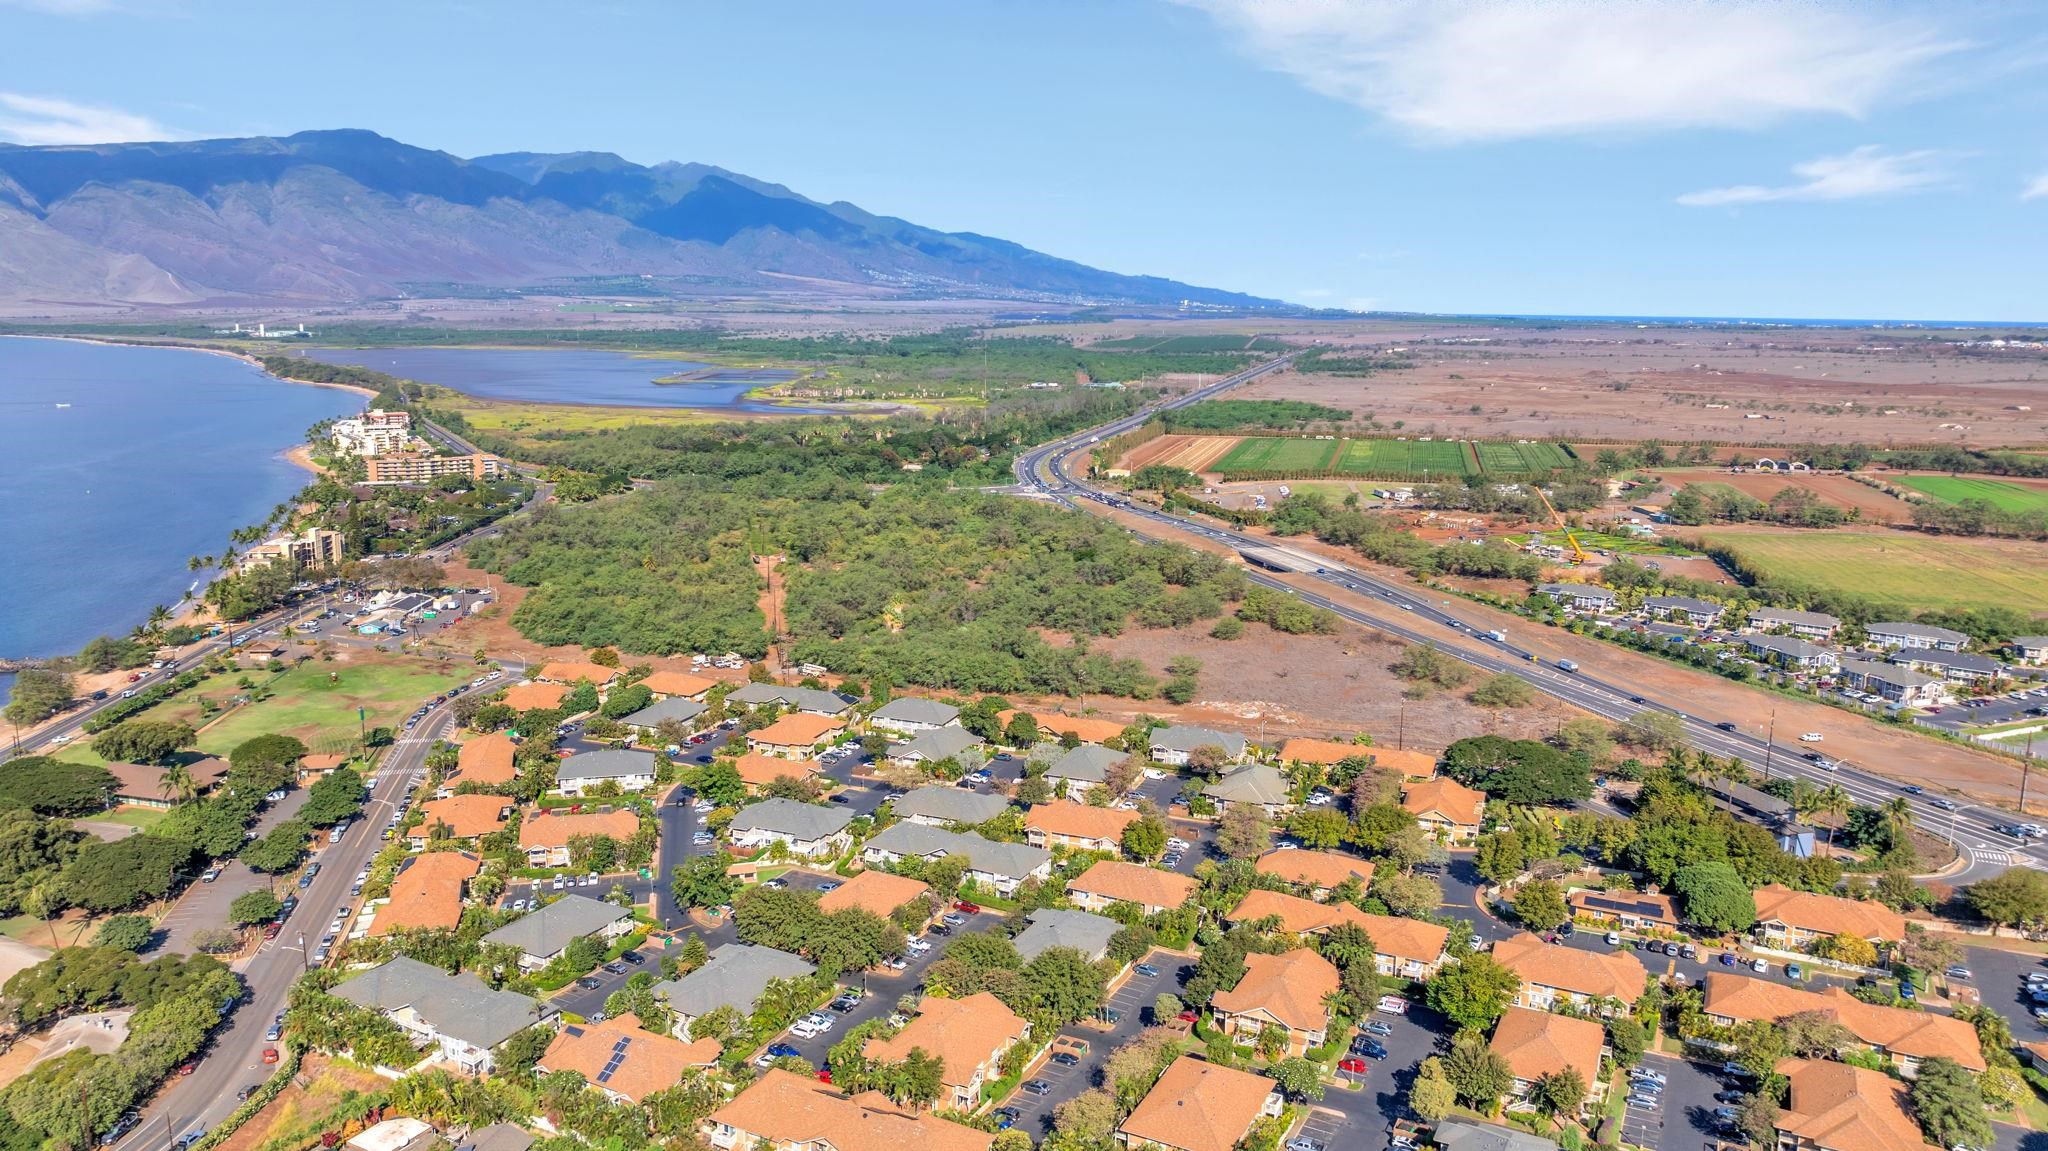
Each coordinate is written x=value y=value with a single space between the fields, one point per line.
x=374 y=433
x=315 y=547
x=414 y=468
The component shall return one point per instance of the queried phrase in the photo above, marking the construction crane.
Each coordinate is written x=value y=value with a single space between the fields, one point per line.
x=1578 y=555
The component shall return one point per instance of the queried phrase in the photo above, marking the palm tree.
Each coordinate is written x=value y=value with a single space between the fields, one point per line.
x=1832 y=801
x=1898 y=811
x=159 y=618
x=179 y=782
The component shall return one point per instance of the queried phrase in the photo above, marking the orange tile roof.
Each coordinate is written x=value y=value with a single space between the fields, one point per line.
x=467 y=816
x=678 y=683
x=1322 y=751
x=1608 y=974
x=798 y=729
x=554 y=828
x=1829 y=914
x=570 y=670
x=757 y=770
x=1289 y=986
x=146 y=781
x=1446 y=797
x=1843 y=1108
x=1199 y=1106
x=321 y=764
x=876 y=891
x=1538 y=1043
x=528 y=696
x=1134 y=883
x=1409 y=762
x=1079 y=820
x=649 y=1063
x=785 y=1108
x=1315 y=868
x=1392 y=935
x=962 y=1033
x=427 y=893
x=1915 y=1034
x=1082 y=727
x=487 y=759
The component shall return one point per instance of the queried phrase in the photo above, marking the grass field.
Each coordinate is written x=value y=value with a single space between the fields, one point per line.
x=1279 y=455
x=1955 y=489
x=1389 y=459
x=304 y=703
x=1900 y=570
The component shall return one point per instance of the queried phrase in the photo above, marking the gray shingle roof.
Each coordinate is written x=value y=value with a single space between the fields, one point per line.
x=1462 y=1135
x=497 y=1137
x=1791 y=647
x=611 y=763
x=921 y=841
x=912 y=709
x=1917 y=630
x=1087 y=763
x=1776 y=615
x=1577 y=591
x=952 y=804
x=1253 y=783
x=1960 y=660
x=2030 y=641
x=544 y=932
x=675 y=707
x=793 y=819
x=1083 y=931
x=1887 y=673
x=800 y=698
x=734 y=977
x=1684 y=603
x=938 y=743
x=1181 y=737
x=455 y=1005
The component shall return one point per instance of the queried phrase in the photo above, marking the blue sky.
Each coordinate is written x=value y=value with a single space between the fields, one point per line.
x=1564 y=156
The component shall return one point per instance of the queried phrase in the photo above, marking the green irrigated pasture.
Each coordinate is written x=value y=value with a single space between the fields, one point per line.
x=1277 y=454
x=1904 y=572
x=2006 y=497
x=1405 y=459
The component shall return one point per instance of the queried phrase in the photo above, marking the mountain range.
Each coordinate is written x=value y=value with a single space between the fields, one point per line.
x=349 y=215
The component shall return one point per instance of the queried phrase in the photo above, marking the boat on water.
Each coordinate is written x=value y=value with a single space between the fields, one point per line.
x=63 y=405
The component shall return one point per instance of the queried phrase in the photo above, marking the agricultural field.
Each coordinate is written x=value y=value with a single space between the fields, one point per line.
x=1830 y=488
x=1908 y=572
x=1408 y=459
x=2006 y=497
x=1260 y=454
x=1195 y=453
x=1193 y=345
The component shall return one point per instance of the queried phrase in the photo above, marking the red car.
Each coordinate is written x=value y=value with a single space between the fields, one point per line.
x=1353 y=1066
x=187 y=1069
x=966 y=908
x=824 y=1075
x=270 y=1054
x=1188 y=1017
x=270 y=930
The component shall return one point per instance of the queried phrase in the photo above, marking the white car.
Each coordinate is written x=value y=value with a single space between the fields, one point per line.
x=917 y=945
x=1810 y=737
x=803 y=1029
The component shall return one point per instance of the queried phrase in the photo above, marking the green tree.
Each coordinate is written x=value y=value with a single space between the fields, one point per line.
x=1473 y=991
x=54 y=787
x=1145 y=839
x=1298 y=1078
x=701 y=881
x=2017 y=898
x=1318 y=828
x=1479 y=1074
x=918 y=1080
x=267 y=751
x=1540 y=905
x=1244 y=832
x=1950 y=1109
x=124 y=932
x=1654 y=730
x=143 y=741
x=1561 y=1092
x=1715 y=896
x=278 y=850
x=1500 y=856
x=1432 y=1095
x=38 y=693
x=1062 y=983
x=1503 y=690
x=334 y=797
x=253 y=907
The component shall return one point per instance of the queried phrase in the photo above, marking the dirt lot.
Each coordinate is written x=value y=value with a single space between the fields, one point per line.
x=1333 y=686
x=1839 y=490
x=1195 y=453
x=302 y=1110
x=1614 y=383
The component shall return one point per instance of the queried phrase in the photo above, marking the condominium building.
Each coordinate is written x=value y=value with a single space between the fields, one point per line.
x=374 y=433
x=415 y=468
x=314 y=547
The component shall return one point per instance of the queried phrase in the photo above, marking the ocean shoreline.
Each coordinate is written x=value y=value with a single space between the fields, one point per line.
x=298 y=455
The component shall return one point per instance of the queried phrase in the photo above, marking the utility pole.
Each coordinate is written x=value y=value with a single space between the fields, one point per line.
x=2026 y=765
x=1770 y=743
x=1401 y=732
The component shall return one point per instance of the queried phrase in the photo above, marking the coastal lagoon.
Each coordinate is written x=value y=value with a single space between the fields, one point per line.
x=551 y=376
x=117 y=463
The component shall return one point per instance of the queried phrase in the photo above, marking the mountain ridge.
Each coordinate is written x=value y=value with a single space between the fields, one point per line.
x=343 y=215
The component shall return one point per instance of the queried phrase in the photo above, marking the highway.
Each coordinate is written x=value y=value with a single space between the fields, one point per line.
x=1413 y=614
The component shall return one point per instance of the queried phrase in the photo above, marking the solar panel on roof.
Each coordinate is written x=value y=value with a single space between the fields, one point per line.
x=621 y=1044
x=605 y=1076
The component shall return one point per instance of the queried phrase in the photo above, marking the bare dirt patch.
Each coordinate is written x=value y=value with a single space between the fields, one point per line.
x=1195 y=453
x=1834 y=488
x=307 y=1105
x=1335 y=685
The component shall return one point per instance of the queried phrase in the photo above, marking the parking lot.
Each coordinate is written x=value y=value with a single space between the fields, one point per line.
x=1684 y=1117
x=204 y=906
x=1134 y=1001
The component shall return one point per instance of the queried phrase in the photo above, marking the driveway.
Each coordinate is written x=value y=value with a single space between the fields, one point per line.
x=1134 y=1000
x=1684 y=1118
x=1360 y=1110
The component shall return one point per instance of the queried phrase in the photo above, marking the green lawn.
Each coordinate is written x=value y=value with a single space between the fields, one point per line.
x=317 y=702
x=1903 y=571
x=142 y=817
x=1279 y=454
x=1999 y=494
x=1407 y=459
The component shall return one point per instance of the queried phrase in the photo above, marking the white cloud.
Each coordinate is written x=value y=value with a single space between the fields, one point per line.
x=49 y=120
x=1504 y=69
x=1867 y=171
x=2037 y=189
x=62 y=7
